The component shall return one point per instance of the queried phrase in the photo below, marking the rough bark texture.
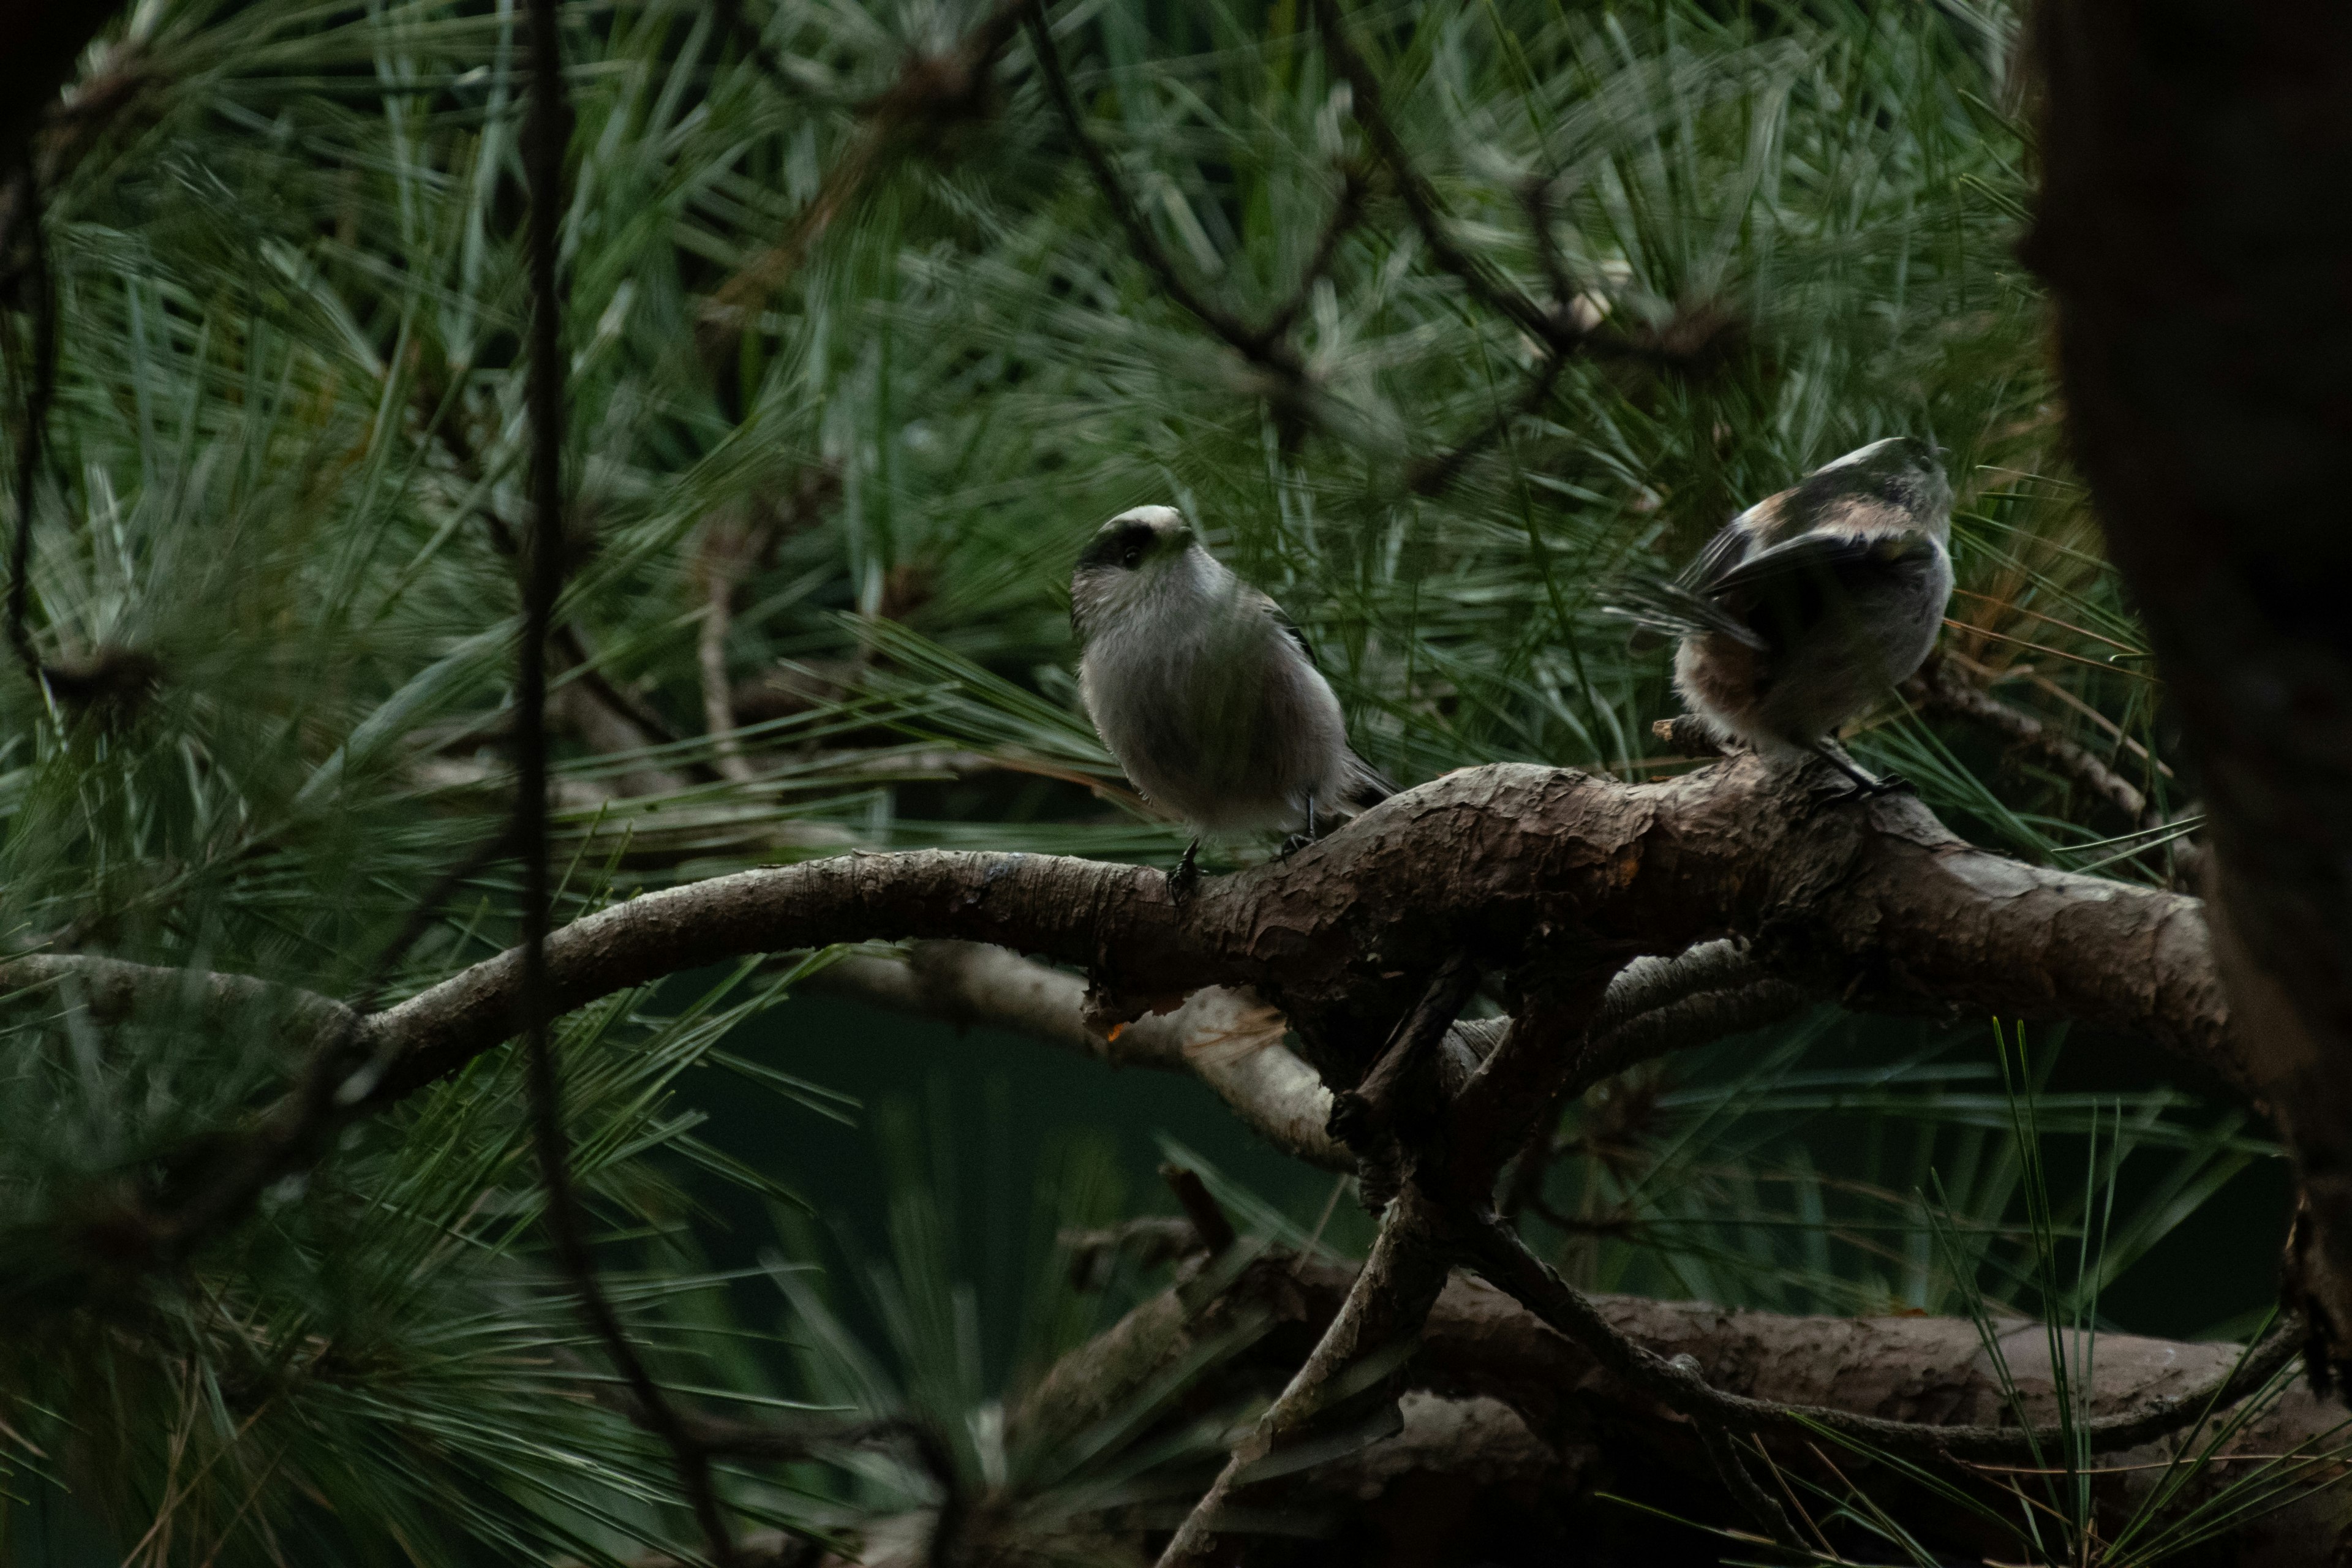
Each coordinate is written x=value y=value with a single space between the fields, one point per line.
x=1873 y=901
x=2194 y=229
x=1480 y=1350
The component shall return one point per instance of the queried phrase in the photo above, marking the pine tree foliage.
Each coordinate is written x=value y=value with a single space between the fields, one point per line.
x=860 y=351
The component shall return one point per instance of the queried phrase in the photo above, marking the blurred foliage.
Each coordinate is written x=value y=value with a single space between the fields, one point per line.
x=857 y=361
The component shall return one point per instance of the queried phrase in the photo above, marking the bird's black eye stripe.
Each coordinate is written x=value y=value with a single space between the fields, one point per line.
x=1126 y=549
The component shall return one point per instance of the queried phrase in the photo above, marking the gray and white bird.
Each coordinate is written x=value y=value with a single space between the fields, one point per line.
x=1205 y=692
x=1810 y=605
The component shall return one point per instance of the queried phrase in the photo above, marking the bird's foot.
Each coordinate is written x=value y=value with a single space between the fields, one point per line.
x=1292 y=846
x=1186 y=880
x=1843 y=788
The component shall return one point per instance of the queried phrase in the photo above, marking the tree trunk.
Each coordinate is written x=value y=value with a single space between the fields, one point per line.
x=2195 y=230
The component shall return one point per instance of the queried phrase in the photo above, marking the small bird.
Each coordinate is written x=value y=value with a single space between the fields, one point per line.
x=1206 y=693
x=1807 y=607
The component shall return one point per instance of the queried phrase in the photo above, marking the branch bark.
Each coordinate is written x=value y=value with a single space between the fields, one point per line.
x=1873 y=901
x=1477 y=1346
x=1383 y=1311
x=1529 y=870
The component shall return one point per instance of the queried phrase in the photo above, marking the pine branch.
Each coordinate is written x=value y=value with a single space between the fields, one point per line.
x=1386 y=1303
x=1940 y=688
x=1268 y=346
x=1736 y=845
x=1505 y=1261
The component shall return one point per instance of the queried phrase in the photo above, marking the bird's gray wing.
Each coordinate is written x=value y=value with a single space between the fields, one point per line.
x=1287 y=628
x=1367 y=786
x=1785 y=592
x=1817 y=560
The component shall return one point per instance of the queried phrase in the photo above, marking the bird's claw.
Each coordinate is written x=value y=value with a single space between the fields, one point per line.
x=1292 y=846
x=1186 y=880
x=1838 y=791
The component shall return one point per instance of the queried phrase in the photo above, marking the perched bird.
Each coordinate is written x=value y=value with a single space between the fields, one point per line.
x=1205 y=692
x=1810 y=604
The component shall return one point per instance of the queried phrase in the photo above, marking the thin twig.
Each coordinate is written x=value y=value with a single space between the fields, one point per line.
x=1731 y=1470
x=1384 y=1309
x=1268 y=346
x=450 y=432
x=1393 y=1098
x=933 y=93
x=1390 y=1112
x=421 y=914
x=747 y=33
x=543 y=157
x=1201 y=1210
x=724 y=552
x=1346 y=213
x=1555 y=328
x=1940 y=688
x=1433 y=476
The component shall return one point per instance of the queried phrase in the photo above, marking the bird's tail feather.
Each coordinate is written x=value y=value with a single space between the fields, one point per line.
x=1366 y=785
x=1661 y=605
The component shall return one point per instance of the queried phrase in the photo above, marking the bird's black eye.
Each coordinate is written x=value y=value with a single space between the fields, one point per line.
x=1131 y=557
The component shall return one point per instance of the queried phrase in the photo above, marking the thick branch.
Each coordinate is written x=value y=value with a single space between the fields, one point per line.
x=1525 y=869
x=114 y=990
x=1873 y=900
x=1506 y=1262
x=1479 y=1345
x=1229 y=1039
x=1233 y=1041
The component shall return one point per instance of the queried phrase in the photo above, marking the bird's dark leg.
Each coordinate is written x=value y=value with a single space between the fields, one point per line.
x=1298 y=841
x=1864 y=785
x=1185 y=879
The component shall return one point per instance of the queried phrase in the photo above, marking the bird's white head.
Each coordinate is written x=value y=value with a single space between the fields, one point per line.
x=1902 y=475
x=1140 y=553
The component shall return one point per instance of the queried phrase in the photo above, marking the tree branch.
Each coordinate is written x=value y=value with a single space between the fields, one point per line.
x=932 y=93
x=1875 y=902
x=1385 y=1308
x=1940 y=688
x=1479 y=1345
x=1871 y=901
x=1228 y=1038
x=1268 y=346
x=1504 y=1259
x=1555 y=329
